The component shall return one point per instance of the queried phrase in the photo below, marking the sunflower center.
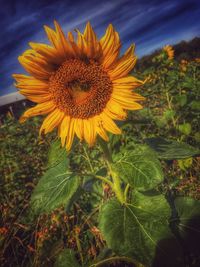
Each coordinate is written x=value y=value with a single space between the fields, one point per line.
x=80 y=89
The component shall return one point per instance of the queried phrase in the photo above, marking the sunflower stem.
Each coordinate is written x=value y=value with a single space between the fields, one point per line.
x=88 y=159
x=103 y=179
x=116 y=184
x=106 y=150
x=126 y=192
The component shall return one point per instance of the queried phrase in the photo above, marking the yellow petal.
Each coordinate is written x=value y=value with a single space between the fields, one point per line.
x=78 y=127
x=63 y=45
x=37 y=97
x=52 y=121
x=137 y=97
x=126 y=103
x=29 y=82
x=101 y=132
x=99 y=128
x=40 y=109
x=109 y=124
x=34 y=69
x=105 y=40
x=74 y=46
x=36 y=58
x=111 y=58
x=109 y=41
x=51 y=34
x=59 y=41
x=127 y=82
x=110 y=44
x=22 y=77
x=89 y=131
x=115 y=111
x=81 y=43
x=70 y=135
x=124 y=65
x=93 y=46
x=64 y=129
x=49 y=53
x=32 y=89
x=127 y=94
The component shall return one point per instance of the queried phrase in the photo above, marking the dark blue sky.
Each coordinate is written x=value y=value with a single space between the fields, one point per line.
x=150 y=24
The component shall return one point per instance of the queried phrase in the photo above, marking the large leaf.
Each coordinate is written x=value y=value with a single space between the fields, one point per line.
x=170 y=149
x=140 y=168
x=181 y=99
x=56 y=187
x=195 y=105
x=169 y=114
x=66 y=259
x=189 y=222
x=185 y=128
x=140 y=230
x=57 y=154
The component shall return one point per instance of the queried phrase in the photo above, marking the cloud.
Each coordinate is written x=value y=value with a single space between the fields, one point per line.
x=26 y=20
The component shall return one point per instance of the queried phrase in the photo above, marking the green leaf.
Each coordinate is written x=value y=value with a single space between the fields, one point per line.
x=57 y=187
x=169 y=114
x=170 y=149
x=195 y=105
x=66 y=259
x=189 y=82
x=185 y=128
x=197 y=137
x=189 y=221
x=160 y=121
x=140 y=168
x=185 y=163
x=140 y=230
x=57 y=154
x=145 y=113
x=181 y=99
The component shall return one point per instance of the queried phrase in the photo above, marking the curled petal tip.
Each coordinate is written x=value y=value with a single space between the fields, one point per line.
x=20 y=58
x=22 y=119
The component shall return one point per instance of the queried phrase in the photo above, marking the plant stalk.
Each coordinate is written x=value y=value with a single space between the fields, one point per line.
x=116 y=185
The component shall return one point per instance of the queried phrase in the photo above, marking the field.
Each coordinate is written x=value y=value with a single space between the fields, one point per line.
x=77 y=221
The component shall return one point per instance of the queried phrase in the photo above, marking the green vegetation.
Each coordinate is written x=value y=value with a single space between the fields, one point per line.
x=60 y=210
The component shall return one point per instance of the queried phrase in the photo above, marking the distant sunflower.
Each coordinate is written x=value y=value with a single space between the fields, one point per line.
x=169 y=50
x=82 y=85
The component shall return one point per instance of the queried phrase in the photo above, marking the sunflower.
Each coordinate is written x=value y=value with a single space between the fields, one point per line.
x=169 y=50
x=183 y=65
x=81 y=85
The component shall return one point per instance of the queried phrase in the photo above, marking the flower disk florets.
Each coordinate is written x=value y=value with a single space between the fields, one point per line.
x=80 y=88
